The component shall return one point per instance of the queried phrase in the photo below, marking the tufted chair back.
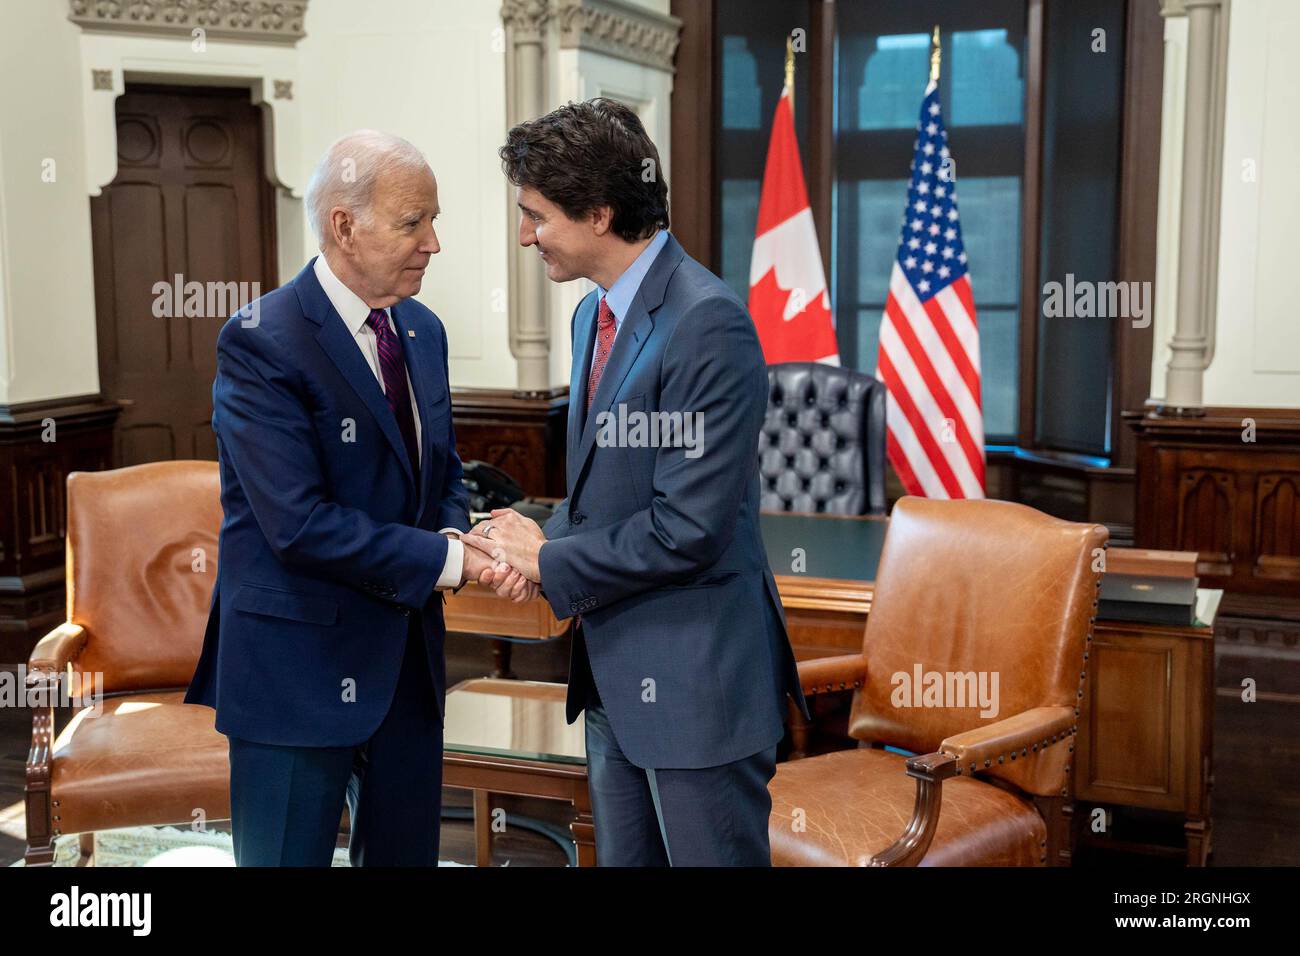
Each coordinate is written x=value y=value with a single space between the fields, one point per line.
x=822 y=447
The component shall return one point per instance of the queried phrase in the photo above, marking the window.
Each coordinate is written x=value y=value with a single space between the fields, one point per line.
x=751 y=44
x=1048 y=384
x=881 y=72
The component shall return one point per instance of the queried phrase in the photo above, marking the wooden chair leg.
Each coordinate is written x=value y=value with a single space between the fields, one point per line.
x=39 y=853
x=86 y=846
x=501 y=653
x=800 y=731
x=482 y=828
x=1058 y=815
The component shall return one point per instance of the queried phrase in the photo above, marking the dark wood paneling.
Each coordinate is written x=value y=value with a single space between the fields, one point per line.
x=821 y=123
x=1031 y=219
x=522 y=434
x=35 y=460
x=189 y=199
x=1144 y=50
x=694 y=118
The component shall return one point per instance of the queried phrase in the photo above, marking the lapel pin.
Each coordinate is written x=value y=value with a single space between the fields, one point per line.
x=410 y=333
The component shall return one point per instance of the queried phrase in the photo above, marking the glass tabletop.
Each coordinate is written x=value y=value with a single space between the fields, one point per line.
x=522 y=719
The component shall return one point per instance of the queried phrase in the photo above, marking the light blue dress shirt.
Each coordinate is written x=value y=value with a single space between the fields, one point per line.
x=619 y=296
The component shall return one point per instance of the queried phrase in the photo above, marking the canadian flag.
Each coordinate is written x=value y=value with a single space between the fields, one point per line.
x=788 y=298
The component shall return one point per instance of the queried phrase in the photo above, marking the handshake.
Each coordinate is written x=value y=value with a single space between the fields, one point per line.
x=502 y=553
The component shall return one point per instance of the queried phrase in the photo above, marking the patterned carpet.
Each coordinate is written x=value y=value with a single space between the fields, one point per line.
x=163 y=846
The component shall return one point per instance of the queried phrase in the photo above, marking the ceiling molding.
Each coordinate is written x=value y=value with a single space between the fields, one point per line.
x=262 y=21
x=618 y=29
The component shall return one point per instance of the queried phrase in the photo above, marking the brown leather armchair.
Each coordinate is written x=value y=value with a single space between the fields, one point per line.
x=963 y=588
x=142 y=561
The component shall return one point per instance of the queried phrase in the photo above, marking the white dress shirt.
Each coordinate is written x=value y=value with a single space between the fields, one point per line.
x=354 y=312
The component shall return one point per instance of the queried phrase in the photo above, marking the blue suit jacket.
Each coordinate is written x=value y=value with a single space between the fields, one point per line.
x=661 y=553
x=327 y=544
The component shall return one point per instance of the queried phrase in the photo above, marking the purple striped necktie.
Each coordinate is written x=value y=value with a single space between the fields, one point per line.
x=393 y=369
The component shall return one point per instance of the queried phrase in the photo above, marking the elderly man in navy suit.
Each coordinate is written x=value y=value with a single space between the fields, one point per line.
x=343 y=508
x=681 y=659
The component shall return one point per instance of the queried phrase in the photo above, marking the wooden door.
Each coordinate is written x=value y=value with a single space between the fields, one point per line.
x=189 y=200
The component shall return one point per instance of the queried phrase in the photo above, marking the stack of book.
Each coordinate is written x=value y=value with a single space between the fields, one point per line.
x=1153 y=587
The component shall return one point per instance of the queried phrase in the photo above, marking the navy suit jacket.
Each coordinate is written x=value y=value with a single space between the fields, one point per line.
x=661 y=552
x=327 y=544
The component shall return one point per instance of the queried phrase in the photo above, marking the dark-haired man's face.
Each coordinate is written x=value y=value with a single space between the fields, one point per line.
x=568 y=247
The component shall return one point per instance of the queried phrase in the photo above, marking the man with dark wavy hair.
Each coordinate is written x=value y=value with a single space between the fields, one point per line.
x=680 y=659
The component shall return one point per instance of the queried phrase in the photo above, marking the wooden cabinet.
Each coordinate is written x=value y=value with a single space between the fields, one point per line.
x=523 y=434
x=1146 y=726
x=1226 y=485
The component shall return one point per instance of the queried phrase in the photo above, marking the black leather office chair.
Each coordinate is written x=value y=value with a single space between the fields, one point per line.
x=822 y=448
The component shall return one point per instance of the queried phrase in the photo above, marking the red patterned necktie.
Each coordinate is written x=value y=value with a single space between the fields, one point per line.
x=393 y=370
x=605 y=329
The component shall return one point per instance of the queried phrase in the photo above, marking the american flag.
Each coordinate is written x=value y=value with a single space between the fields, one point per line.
x=929 y=341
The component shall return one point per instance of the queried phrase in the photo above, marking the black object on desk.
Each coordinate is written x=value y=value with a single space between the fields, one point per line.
x=1148 y=600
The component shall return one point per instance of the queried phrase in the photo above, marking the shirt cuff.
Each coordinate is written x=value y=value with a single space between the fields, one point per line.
x=453 y=568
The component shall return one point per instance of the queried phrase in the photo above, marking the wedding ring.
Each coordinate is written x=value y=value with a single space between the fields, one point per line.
x=487 y=531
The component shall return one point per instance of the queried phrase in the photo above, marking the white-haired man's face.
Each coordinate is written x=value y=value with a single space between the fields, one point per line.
x=388 y=250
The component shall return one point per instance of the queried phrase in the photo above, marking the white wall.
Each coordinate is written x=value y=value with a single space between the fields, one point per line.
x=1257 y=341
x=1257 y=351
x=576 y=75
x=47 y=305
x=431 y=71
x=582 y=75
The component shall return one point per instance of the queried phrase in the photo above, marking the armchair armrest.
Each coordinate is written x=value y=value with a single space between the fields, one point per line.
x=826 y=674
x=57 y=649
x=1016 y=736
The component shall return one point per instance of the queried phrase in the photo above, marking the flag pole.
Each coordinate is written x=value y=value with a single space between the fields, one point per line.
x=789 y=70
x=934 y=55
